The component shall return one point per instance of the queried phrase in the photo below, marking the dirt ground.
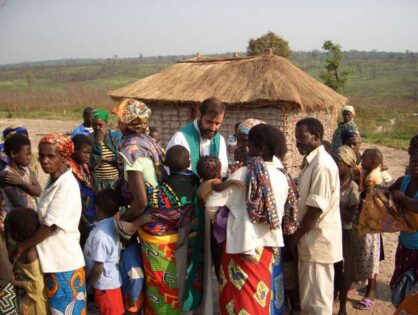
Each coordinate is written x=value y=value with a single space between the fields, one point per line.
x=395 y=159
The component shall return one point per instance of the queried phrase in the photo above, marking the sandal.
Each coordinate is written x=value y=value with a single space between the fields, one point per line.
x=364 y=304
x=120 y=229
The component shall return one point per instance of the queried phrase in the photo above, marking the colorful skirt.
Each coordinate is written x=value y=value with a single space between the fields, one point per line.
x=67 y=292
x=405 y=259
x=161 y=287
x=246 y=287
x=8 y=300
x=277 y=284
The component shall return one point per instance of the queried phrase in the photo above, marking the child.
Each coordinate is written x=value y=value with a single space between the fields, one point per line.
x=153 y=133
x=346 y=159
x=368 y=246
x=23 y=223
x=101 y=253
x=81 y=171
x=20 y=186
x=131 y=270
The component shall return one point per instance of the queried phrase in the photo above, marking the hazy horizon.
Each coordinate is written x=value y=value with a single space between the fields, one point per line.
x=57 y=29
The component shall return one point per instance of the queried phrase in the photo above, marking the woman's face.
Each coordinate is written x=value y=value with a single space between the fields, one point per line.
x=242 y=141
x=347 y=116
x=50 y=159
x=99 y=126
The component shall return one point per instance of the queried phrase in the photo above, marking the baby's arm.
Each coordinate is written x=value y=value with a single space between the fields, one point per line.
x=219 y=187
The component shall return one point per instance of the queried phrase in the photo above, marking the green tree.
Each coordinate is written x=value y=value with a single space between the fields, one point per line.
x=260 y=45
x=334 y=75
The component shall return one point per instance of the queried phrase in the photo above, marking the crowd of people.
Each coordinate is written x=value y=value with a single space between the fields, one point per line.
x=126 y=226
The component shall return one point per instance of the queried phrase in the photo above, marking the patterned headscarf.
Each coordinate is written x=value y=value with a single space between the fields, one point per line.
x=347 y=155
x=261 y=205
x=101 y=115
x=131 y=111
x=63 y=144
x=246 y=125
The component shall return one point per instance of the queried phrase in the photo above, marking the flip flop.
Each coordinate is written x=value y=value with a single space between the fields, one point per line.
x=120 y=229
x=364 y=304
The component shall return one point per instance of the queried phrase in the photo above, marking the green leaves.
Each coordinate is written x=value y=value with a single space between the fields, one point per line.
x=260 y=45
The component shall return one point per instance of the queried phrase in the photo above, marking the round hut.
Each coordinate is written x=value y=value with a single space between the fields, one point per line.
x=267 y=87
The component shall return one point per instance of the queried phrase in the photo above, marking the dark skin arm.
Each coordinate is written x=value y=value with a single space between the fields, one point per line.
x=41 y=234
x=309 y=221
x=226 y=184
x=410 y=204
x=33 y=188
x=137 y=187
x=95 y=273
x=347 y=216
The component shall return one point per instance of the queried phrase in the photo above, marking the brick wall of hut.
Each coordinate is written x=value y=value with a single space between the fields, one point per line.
x=169 y=118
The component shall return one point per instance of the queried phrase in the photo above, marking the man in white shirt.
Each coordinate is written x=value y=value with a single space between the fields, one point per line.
x=319 y=237
x=201 y=137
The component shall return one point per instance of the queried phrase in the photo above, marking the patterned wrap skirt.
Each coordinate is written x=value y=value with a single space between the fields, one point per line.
x=159 y=259
x=405 y=259
x=251 y=288
x=67 y=292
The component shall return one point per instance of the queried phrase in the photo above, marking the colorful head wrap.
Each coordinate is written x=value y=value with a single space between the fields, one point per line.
x=131 y=111
x=12 y=130
x=246 y=125
x=63 y=144
x=101 y=115
x=350 y=109
x=347 y=155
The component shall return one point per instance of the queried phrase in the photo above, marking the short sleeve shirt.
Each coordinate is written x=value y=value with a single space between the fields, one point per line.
x=103 y=245
x=60 y=205
x=145 y=166
x=319 y=187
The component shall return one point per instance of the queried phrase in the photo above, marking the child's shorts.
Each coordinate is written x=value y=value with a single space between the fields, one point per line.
x=109 y=302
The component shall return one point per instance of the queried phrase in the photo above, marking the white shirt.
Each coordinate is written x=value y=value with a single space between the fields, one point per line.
x=319 y=187
x=60 y=205
x=179 y=139
x=242 y=236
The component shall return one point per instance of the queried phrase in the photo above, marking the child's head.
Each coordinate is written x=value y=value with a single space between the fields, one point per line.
x=23 y=223
x=209 y=167
x=153 y=133
x=413 y=165
x=177 y=159
x=17 y=147
x=413 y=145
x=371 y=159
x=107 y=203
x=82 y=148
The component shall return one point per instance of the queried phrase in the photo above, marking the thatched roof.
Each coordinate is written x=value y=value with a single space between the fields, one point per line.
x=250 y=81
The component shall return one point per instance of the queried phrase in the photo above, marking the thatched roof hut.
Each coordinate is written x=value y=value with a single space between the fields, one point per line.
x=267 y=87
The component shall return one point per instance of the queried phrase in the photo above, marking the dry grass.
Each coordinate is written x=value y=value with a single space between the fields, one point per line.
x=248 y=81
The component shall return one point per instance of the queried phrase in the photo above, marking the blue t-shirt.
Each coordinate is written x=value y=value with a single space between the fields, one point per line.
x=81 y=130
x=103 y=245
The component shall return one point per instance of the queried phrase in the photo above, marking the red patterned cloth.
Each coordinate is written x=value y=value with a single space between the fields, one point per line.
x=245 y=287
x=63 y=144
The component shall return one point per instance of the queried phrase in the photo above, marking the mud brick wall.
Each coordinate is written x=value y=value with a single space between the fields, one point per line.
x=169 y=118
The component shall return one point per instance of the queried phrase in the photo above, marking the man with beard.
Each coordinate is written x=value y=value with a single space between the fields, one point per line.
x=201 y=137
x=318 y=240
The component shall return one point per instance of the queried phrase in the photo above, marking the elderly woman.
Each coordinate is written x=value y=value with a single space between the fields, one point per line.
x=57 y=239
x=254 y=230
x=104 y=158
x=347 y=124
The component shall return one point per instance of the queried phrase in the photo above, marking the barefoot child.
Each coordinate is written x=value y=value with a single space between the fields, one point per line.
x=368 y=246
x=101 y=252
x=23 y=223
x=81 y=171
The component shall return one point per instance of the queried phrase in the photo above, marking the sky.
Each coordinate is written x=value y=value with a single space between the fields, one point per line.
x=36 y=30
